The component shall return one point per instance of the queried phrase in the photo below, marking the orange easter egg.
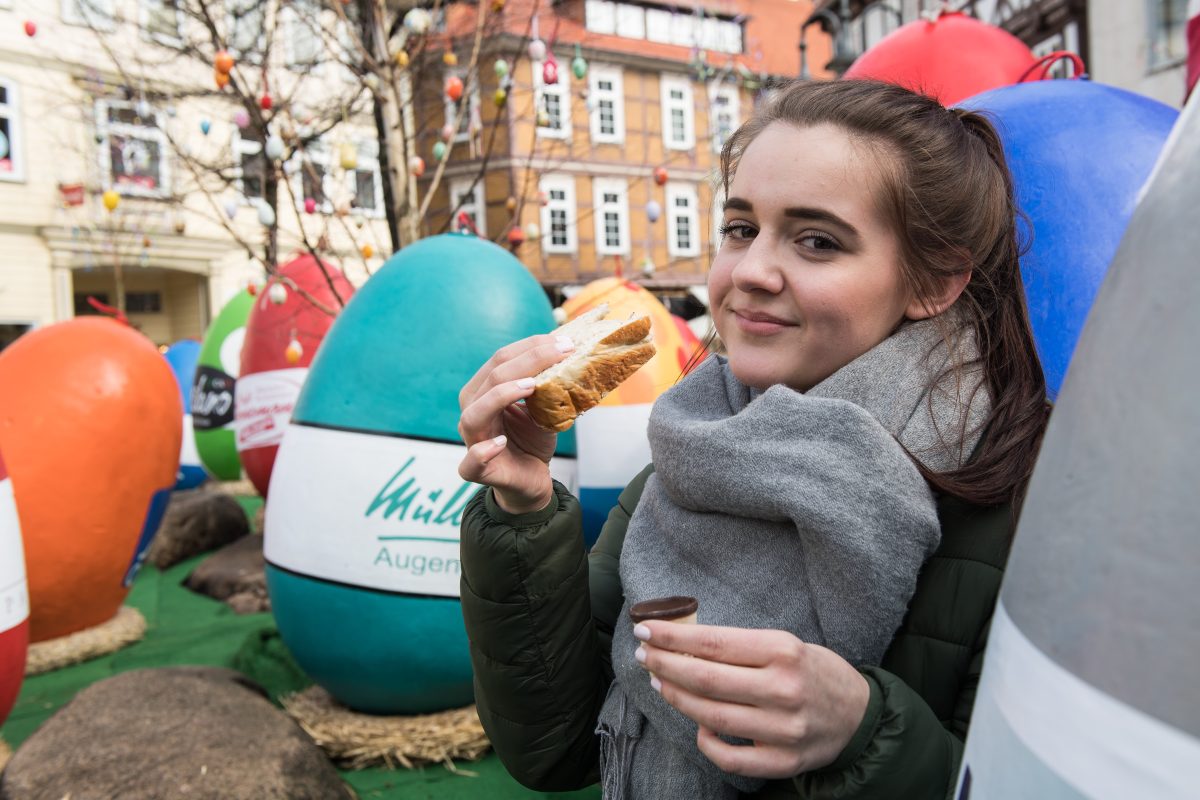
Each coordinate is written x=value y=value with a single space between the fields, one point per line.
x=90 y=426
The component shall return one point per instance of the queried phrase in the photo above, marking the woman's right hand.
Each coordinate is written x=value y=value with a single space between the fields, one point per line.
x=506 y=449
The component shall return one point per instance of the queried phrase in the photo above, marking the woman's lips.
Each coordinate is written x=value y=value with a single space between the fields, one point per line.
x=757 y=324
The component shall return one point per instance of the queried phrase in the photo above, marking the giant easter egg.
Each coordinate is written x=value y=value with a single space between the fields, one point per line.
x=312 y=294
x=611 y=438
x=1088 y=686
x=14 y=599
x=213 y=389
x=183 y=356
x=362 y=527
x=90 y=424
x=950 y=58
x=1079 y=153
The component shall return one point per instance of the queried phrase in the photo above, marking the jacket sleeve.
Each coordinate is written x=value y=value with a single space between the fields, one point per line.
x=542 y=664
x=901 y=748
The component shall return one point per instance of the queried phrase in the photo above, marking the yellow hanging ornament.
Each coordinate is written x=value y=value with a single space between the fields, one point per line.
x=367 y=251
x=294 y=352
x=401 y=58
x=111 y=200
x=348 y=155
x=450 y=58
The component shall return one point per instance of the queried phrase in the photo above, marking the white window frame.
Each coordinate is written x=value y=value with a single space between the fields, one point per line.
x=563 y=90
x=723 y=98
x=11 y=110
x=600 y=16
x=98 y=14
x=718 y=215
x=685 y=191
x=145 y=9
x=658 y=25
x=368 y=161
x=298 y=23
x=668 y=84
x=247 y=7
x=619 y=187
x=566 y=185
x=631 y=21
x=476 y=208
x=320 y=154
x=615 y=95
x=156 y=134
x=470 y=104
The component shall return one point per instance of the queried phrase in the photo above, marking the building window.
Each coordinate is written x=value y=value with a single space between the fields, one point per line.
x=607 y=95
x=12 y=164
x=311 y=168
x=611 y=204
x=83 y=308
x=96 y=14
x=143 y=302
x=724 y=114
x=555 y=100
x=679 y=131
x=658 y=25
x=459 y=114
x=160 y=21
x=133 y=148
x=600 y=16
x=683 y=221
x=248 y=150
x=245 y=20
x=1167 y=26
x=303 y=28
x=365 y=181
x=631 y=21
x=466 y=195
x=558 y=215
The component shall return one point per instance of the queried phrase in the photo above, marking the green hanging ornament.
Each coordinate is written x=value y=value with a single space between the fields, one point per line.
x=578 y=64
x=439 y=151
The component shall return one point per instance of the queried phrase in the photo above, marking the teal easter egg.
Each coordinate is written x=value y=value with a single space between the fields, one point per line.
x=363 y=525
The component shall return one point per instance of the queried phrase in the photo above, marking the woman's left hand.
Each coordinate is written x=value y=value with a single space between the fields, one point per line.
x=799 y=703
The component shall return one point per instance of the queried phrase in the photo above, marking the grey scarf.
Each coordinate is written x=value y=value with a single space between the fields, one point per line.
x=788 y=511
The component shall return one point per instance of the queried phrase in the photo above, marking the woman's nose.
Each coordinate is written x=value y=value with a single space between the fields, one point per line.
x=758 y=268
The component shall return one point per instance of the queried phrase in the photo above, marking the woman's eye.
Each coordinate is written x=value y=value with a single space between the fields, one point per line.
x=820 y=242
x=736 y=230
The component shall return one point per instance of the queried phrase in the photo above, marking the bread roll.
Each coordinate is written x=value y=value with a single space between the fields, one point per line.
x=606 y=352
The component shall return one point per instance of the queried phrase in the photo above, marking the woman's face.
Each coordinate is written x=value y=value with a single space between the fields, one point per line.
x=808 y=275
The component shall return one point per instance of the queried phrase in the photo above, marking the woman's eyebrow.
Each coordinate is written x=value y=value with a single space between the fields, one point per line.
x=821 y=215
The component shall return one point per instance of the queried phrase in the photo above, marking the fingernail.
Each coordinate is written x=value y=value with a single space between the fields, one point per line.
x=500 y=441
x=525 y=383
x=655 y=684
x=640 y=655
x=564 y=344
x=641 y=632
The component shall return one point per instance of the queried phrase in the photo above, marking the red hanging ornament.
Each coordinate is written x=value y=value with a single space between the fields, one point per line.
x=265 y=102
x=30 y=28
x=516 y=236
x=660 y=175
x=454 y=88
x=550 y=70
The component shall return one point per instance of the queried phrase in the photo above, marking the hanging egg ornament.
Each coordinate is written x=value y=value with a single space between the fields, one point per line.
x=653 y=211
x=454 y=88
x=30 y=28
x=533 y=231
x=647 y=267
x=180 y=225
x=223 y=62
x=416 y=165
x=274 y=147
x=560 y=315
x=497 y=6
x=660 y=175
x=310 y=205
x=447 y=132
x=221 y=79
x=265 y=102
x=500 y=97
x=294 y=352
x=401 y=58
x=516 y=237
x=450 y=58
x=205 y=126
x=277 y=294
x=111 y=200
x=511 y=204
x=537 y=50
x=578 y=64
x=543 y=199
x=543 y=118
x=550 y=72
x=359 y=221
x=231 y=208
x=367 y=251
x=348 y=155
x=241 y=118
x=143 y=110
x=501 y=67
x=418 y=21
x=266 y=215
x=439 y=151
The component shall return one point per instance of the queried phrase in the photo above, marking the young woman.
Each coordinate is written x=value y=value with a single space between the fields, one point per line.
x=836 y=491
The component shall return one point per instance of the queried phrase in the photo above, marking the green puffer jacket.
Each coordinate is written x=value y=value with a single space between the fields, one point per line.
x=540 y=612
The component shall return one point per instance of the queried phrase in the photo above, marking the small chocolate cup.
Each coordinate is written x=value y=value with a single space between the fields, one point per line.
x=671 y=609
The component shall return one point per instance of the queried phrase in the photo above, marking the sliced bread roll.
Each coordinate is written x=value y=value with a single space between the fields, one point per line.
x=607 y=351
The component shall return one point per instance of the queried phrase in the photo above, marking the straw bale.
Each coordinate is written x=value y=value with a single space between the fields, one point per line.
x=127 y=627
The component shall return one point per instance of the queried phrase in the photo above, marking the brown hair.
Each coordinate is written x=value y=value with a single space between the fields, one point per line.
x=949 y=196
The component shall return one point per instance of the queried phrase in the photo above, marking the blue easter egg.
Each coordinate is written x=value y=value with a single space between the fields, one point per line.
x=1079 y=153
x=362 y=531
x=183 y=357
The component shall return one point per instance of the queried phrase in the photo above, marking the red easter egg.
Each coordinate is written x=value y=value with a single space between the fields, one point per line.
x=270 y=382
x=14 y=599
x=454 y=88
x=951 y=58
x=30 y=28
x=91 y=421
